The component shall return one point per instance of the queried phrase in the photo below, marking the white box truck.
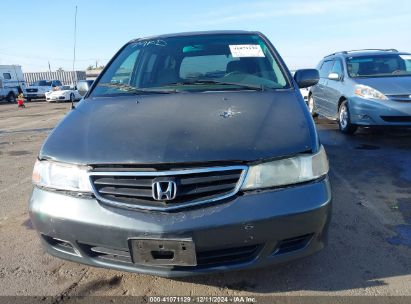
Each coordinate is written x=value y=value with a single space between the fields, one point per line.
x=11 y=77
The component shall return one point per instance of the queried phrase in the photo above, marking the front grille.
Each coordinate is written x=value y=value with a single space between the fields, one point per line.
x=293 y=244
x=31 y=90
x=205 y=259
x=396 y=118
x=235 y=255
x=108 y=254
x=59 y=244
x=134 y=189
x=401 y=98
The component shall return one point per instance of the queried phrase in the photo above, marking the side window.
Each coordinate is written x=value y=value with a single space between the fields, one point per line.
x=325 y=68
x=7 y=75
x=337 y=67
x=123 y=73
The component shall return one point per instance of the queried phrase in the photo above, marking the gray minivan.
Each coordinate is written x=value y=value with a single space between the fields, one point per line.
x=364 y=88
x=191 y=153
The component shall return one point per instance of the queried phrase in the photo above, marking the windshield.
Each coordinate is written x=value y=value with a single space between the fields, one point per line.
x=192 y=63
x=42 y=83
x=379 y=66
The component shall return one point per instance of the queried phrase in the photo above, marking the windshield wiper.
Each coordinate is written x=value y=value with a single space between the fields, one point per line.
x=130 y=89
x=217 y=82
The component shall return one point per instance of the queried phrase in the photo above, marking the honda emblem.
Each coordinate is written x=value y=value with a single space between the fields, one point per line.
x=164 y=190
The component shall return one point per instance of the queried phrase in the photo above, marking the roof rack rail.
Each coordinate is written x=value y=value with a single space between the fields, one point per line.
x=361 y=50
x=342 y=52
x=384 y=50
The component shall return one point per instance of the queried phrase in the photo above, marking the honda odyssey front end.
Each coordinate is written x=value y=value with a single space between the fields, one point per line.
x=192 y=153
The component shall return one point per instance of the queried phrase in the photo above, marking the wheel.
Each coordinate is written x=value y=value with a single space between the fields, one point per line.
x=11 y=98
x=344 y=121
x=311 y=106
x=72 y=98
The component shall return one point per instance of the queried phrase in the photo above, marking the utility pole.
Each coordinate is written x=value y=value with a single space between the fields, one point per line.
x=75 y=40
x=74 y=53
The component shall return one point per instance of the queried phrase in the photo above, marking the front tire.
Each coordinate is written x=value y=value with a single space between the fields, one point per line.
x=11 y=98
x=311 y=106
x=344 y=121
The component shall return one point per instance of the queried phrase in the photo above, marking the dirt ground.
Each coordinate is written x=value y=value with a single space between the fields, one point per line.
x=370 y=235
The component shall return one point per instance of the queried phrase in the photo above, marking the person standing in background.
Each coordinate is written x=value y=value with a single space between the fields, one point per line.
x=20 y=98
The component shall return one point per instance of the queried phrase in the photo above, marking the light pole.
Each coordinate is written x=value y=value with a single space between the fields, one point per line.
x=74 y=50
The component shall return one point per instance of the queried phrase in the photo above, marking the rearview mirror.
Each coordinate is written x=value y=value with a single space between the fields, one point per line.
x=334 y=76
x=306 y=77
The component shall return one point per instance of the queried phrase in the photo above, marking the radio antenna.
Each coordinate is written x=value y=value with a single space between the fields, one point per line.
x=74 y=52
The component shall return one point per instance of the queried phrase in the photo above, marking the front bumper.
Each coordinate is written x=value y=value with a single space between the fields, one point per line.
x=36 y=95
x=72 y=228
x=380 y=113
x=57 y=98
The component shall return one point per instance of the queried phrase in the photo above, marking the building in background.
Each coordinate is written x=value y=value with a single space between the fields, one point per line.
x=92 y=74
x=66 y=77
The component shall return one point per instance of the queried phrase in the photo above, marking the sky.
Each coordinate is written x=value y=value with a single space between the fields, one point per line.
x=35 y=32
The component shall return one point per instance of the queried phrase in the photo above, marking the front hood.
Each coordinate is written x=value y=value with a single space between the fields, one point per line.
x=388 y=85
x=182 y=128
x=57 y=93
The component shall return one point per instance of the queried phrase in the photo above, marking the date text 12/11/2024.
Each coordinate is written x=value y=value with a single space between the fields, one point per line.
x=202 y=299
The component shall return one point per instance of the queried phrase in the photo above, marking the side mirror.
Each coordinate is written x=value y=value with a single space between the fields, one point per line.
x=334 y=76
x=82 y=88
x=306 y=78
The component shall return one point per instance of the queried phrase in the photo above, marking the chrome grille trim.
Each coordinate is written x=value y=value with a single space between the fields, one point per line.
x=400 y=97
x=171 y=173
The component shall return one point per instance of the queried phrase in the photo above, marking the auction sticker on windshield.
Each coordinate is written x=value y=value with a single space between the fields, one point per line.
x=246 y=50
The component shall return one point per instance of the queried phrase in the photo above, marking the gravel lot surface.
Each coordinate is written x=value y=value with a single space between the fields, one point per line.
x=370 y=236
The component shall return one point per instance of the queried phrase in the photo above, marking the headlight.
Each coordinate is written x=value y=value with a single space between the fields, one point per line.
x=61 y=176
x=287 y=171
x=368 y=92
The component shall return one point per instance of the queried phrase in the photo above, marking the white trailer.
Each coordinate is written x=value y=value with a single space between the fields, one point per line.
x=11 y=77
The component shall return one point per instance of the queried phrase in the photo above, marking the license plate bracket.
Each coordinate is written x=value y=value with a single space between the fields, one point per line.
x=163 y=251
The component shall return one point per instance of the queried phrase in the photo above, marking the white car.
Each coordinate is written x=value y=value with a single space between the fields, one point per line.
x=64 y=93
x=305 y=92
x=38 y=89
